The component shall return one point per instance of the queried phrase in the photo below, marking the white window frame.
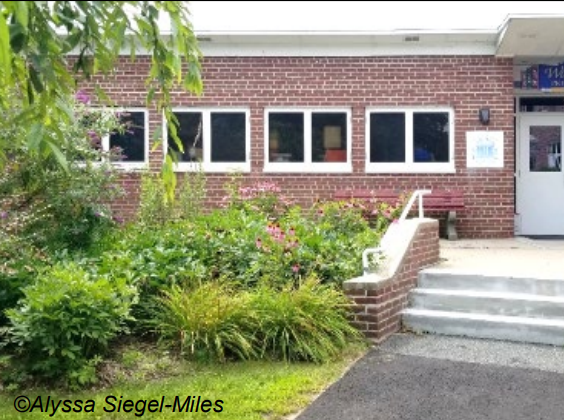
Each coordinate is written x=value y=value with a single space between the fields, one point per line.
x=307 y=165
x=409 y=166
x=105 y=142
x=206 y=164
x=130 y=165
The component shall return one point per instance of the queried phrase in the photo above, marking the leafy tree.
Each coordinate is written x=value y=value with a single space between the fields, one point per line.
x=48 y=47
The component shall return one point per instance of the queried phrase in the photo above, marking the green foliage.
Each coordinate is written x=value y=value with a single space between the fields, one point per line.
x=20 y=264
x=49 y=206
x=306 y=323
x=43 y=66
x=208 y=322
x=65 y=321
x=192 y=194
x=155 y=208
x=245 y=247
x=264 y=197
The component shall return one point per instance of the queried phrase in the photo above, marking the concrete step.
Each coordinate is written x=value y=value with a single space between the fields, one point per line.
x=492 y=303
x=452 y=280
x=499 y=327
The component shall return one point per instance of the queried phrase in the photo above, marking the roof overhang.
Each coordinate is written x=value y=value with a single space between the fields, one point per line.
x=346 y=43
x=532 y=36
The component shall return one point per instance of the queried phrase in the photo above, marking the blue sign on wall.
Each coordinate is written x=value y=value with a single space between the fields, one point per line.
x=551 y=76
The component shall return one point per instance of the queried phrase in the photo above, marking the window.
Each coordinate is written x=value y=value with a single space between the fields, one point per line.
x=416 y=140
x=219 y=139
x=132 y=140
x=307 y=141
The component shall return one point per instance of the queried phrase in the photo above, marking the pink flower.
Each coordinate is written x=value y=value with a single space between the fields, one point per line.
x=82 y=96
x=258 y=243
x=294 y=243
x=291 y=231
x=374 y=212
x=270 y=229
x=295 y=268
x=395 y=221
x=94 y=137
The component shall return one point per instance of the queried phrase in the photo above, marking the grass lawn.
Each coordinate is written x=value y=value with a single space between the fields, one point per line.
x=249 y=390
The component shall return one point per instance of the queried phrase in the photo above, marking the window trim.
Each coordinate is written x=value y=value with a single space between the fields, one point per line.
x=105 y=141
x=131 y=165
x=206 y=164
x=409 y=166
x=307 y=166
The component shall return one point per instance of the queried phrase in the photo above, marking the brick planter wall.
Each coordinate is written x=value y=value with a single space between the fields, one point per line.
x=379 y=299
x=463 y=83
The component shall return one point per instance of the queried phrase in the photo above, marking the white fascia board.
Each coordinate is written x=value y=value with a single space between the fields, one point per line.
x=347 y=44
x=341 y=44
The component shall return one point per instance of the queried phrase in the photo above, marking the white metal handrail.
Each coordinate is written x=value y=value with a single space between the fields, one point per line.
x=417 y=195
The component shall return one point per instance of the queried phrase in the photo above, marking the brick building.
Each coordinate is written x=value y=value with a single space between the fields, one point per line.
x=477 y=111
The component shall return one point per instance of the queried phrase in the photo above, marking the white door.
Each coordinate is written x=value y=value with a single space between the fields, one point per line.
x=540 y=178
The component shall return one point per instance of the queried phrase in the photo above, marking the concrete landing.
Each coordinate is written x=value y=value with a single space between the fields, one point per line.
x=514 y=257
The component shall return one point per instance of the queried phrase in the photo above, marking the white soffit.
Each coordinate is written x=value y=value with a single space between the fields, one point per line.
x=532 y=36
x=346 y=43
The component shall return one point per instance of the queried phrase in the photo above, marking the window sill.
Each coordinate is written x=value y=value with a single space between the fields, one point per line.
x=119 y=166
x=410 y=168
x=300 y=167
x=130 y=167
x=212 y=167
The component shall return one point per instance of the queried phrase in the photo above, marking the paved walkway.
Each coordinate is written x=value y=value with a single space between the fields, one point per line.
x=515 y=257
x=445 y=378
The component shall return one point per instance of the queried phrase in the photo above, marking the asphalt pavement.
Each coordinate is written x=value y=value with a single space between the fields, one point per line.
x=413 y=377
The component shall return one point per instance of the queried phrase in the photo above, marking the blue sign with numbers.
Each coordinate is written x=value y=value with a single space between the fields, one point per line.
x=551 y=77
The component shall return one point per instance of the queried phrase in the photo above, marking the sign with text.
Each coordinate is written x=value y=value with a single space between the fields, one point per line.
x=551 y=77
x=484 y=149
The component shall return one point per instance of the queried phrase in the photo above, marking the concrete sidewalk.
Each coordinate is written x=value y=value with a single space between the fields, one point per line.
x=446 y=378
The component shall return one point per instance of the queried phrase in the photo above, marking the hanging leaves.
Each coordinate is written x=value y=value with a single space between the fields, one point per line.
x=46 y=47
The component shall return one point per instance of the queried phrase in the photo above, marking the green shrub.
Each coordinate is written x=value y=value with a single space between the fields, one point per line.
x=54 y=206
x=155 y=208
x=307 y=323
x=209 y=322
x=20 y=264
x=191 y=194
x=65 y=321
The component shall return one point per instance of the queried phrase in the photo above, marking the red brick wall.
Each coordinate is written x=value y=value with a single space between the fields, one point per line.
x=463 y=83
x=377 y=306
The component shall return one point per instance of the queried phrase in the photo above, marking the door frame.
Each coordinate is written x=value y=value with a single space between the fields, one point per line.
x=519 y=138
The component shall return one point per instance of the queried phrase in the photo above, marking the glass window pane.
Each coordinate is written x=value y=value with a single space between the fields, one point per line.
x=542 y=104
x=329 y=137
x=545 y=148
x=190 y=132
x=430 y=137
x=286 y=139
x=132 y=140
x=228 y=137
x=387 y=137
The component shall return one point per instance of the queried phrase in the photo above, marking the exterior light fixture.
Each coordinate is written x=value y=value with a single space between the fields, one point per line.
x=484 y=116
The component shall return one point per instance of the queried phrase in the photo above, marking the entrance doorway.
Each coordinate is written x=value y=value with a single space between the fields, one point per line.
x=540 y=177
